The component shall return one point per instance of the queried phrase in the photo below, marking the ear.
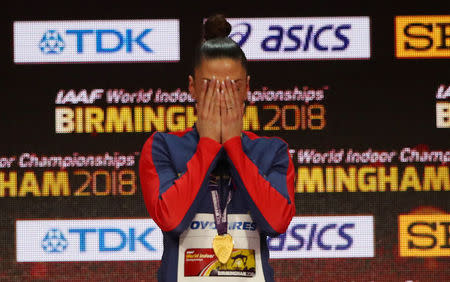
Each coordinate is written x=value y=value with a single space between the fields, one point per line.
x=192 y=87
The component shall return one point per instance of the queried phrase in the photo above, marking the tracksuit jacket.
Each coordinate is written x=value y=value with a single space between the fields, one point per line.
x=174 y=171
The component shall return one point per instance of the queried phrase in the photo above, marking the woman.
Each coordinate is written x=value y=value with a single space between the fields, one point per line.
x=216 y=191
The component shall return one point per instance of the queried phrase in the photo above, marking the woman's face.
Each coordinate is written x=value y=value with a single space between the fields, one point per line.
x=220 y=68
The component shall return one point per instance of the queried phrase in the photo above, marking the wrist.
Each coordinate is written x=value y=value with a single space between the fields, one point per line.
x=231 y=139
x=209 y=142
x=227 y=138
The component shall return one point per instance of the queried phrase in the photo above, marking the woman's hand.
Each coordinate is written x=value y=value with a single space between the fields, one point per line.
x=231 y=110
x=208 y=109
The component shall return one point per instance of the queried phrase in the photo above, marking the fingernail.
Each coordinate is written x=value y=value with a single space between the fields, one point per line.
x=228 y=78
x=232 y=81
x=222 y=91
x=223 y=83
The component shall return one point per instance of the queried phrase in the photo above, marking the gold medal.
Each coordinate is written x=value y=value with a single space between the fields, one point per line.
x=223 y=246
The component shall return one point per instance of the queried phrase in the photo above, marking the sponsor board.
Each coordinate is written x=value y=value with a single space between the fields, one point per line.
x=424 y=235
x=325 y=237
x=96 y=41
x=77 y=174
x=422 y=36
x=145 y=110
x=302 y=38
x=88 y=240
x=141 y=239
x=419 y=168
x=376 y=177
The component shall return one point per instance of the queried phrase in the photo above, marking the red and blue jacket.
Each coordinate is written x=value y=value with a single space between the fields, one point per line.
x=174 y=171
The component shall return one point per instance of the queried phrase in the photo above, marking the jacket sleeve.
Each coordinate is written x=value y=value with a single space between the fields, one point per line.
x=171 y=198
x=270 y=193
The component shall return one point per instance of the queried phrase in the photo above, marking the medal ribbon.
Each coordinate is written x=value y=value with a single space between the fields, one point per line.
x=220 y=218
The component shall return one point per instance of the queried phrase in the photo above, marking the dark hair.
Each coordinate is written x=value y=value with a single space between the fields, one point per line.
x=216 y=43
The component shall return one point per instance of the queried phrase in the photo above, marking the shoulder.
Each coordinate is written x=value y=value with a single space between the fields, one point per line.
x=158 y=136
x=163 y=139
x=265 y=151
x=252 y=138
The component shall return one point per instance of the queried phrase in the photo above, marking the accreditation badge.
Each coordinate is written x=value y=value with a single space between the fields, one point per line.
x=197 y=260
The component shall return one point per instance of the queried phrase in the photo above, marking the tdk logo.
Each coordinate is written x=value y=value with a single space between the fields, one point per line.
x=126 y=40
x=54 y=241
x=96 y=41
x=51 y=42
x=88 y=240
x=123 y=238
x=302 y=38
x=325 y=237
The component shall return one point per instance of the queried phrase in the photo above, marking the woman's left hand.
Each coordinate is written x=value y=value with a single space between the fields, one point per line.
x=231 y=110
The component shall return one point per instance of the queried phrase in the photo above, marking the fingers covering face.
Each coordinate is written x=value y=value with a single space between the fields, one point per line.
x=207 y=96
x=219 y=97
x=215 y=103
x=228 y=97
x=203 y=90
x=236 y=92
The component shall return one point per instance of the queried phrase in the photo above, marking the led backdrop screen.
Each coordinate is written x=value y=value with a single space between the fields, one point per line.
x=361 y=96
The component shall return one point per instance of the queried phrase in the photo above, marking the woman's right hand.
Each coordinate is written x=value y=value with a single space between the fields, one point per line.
x=208 y=110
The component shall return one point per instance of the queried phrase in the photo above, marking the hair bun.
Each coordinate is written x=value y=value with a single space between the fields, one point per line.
x=216 y=26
